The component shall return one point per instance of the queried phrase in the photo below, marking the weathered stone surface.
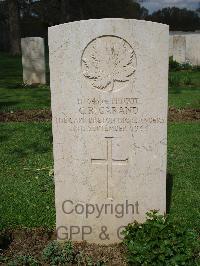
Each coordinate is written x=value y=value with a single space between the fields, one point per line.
x=179 y=48
x=171 y=45
x=193 y=49
x=109 y=85
x=33 y=60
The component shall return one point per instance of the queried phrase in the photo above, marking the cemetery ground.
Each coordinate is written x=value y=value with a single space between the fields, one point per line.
x=27 y=212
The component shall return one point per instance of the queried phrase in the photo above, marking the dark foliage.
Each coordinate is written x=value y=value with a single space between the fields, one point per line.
x=178 y=19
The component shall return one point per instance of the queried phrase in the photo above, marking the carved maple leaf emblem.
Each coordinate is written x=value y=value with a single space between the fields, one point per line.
x=108 y=60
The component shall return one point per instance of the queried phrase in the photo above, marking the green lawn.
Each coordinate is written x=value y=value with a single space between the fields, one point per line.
x=182 y=95
x=184 y=168
x=14 y=96
x=27 y=189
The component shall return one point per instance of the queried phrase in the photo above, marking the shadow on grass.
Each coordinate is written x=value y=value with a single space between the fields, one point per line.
x=179 y=90
x=169 y=187
x=22 y=86
x=19 y=152
x=6 y=106
x=3 y=138
x=38 y=148
x=33 y=148
x=175 y=90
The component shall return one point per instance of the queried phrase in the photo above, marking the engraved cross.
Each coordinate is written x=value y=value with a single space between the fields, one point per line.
x=109 y=162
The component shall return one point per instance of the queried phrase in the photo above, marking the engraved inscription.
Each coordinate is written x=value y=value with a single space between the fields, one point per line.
x=108 y=63
x=116 y=114
x=109 y=162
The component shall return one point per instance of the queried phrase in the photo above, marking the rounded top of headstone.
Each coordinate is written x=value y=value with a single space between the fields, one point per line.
x=91 y=21
x=32 y=38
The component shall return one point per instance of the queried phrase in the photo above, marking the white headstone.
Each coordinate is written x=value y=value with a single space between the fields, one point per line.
x=109 y=86
x=171 y=45
x=193 y=49
x=33 y=60
x=179 y=48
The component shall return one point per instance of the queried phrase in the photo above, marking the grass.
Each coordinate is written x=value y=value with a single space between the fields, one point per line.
x=184 y=97
x=14 y=96
x=184 y=168
x=27 y=190
x=181 y=94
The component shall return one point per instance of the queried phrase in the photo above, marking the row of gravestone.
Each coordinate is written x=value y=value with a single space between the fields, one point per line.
x=109 y=89
x=185 y=48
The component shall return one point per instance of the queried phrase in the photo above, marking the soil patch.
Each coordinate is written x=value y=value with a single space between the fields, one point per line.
x=26 y=116
x=179 y=115
x=174 y=115
x=33 y=241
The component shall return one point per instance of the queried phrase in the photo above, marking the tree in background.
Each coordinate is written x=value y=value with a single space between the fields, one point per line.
x=49 y=12
x=33 y=17
x=64 y=11
x=4 y=31
x=53 y=12
x=25 y=18
x=14 y=27
x=178 y=19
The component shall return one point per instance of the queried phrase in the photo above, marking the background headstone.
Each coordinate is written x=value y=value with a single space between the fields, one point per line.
x=33 y=60
x=185 y=47
x=171 y=45
x=193 y=49
x=179 y=48
x=109 y=86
